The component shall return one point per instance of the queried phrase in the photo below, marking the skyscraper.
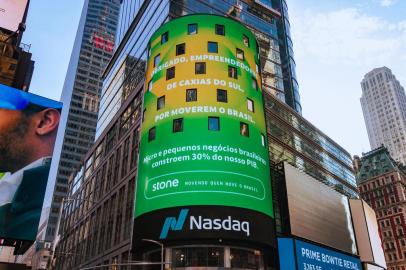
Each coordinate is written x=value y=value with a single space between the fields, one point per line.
x=93 y=48
x=383 y=103
x=267 y=19
x=101 y=191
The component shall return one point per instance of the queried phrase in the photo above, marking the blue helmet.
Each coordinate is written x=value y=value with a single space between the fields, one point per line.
x=14 y=99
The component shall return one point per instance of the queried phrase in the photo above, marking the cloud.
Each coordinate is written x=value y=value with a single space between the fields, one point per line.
x=348 y=36
x=333 y=51
x=387 y=3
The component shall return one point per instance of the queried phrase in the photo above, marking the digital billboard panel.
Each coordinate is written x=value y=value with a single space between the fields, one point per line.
x=203 y=136
x=317 y=212
x=299 y=255
x=12 y=13
x=367 y=233
x=28 y=128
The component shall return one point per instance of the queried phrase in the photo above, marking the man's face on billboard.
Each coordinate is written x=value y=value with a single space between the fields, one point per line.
x=13 y=130
x=26 y=136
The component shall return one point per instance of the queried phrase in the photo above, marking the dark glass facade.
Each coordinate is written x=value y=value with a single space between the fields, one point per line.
x=295 y=140
x=277 y=64
x=96 y=223
x=290 y=83
x=92 y=51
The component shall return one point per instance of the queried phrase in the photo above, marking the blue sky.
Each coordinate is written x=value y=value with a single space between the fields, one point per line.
x=51 y=30
x=335 y=42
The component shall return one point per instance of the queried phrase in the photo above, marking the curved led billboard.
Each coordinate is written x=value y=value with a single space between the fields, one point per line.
x=203 y=136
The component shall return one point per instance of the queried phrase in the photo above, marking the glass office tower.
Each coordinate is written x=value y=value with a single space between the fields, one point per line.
x=267 y=20
x=92 y=50
x=99 y=228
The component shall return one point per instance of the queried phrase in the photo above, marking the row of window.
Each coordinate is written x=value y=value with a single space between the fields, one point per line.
x=192 y=29
x=200 y=68
x=213 y=124
x=191 y=96
x=212 y=47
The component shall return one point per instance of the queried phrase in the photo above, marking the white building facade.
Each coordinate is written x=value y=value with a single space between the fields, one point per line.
x=383 y=103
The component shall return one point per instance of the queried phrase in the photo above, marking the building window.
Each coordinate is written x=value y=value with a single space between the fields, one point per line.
x=244 y=129
x=170 y=73
x=220 y=30
x=156 y=60
x=164 y=38
x=160 y=103
x=240 y=54
x=246 y=40
x=263 y=141
x=150 y=85
x=191 y=95
x=232 y=72
x=143 y=115
x=180 y=49
x=222 y=95
x=212 y=47
x=397 y=220
x=151 y=134
x=214 y=123
x=192 y=29
x=200 y=68
x=254 y=83
x=177 y=125
x=250 y=105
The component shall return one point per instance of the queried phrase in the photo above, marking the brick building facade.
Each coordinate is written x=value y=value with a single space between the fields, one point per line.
x=381 y=181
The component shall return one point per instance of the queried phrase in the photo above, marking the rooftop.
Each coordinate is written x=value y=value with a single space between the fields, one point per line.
x=377 y=162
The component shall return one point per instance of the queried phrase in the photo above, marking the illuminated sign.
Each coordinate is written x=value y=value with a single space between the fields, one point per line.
x=28 y=129
x=203 y=136
x=313 y=257
x=183 y=224
x=317 y=212
x=203 y=223
x=101 y=42
x=204 y=129
x=12 y=13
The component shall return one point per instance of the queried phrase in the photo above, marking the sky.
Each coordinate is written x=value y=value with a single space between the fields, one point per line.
x=336 y=42
x=51 y=31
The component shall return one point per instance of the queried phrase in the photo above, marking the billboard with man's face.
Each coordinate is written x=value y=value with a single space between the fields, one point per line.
x=28 y=128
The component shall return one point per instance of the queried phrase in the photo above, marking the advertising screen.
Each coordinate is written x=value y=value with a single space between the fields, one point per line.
x=28 y=127
x=203 y=136
x=12 y=13
x=317 y=212
x=367 y=233
x=309 y=256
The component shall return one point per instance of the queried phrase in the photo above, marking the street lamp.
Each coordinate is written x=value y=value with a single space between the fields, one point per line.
x=162 y=250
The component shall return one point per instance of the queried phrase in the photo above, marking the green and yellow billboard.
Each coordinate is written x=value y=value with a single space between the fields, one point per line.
x=203 y=135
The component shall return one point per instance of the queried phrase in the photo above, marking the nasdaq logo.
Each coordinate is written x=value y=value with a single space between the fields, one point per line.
x=200 y=223
x=171 y=223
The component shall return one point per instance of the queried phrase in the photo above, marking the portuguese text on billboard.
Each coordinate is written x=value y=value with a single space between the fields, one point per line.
x=203 y=131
